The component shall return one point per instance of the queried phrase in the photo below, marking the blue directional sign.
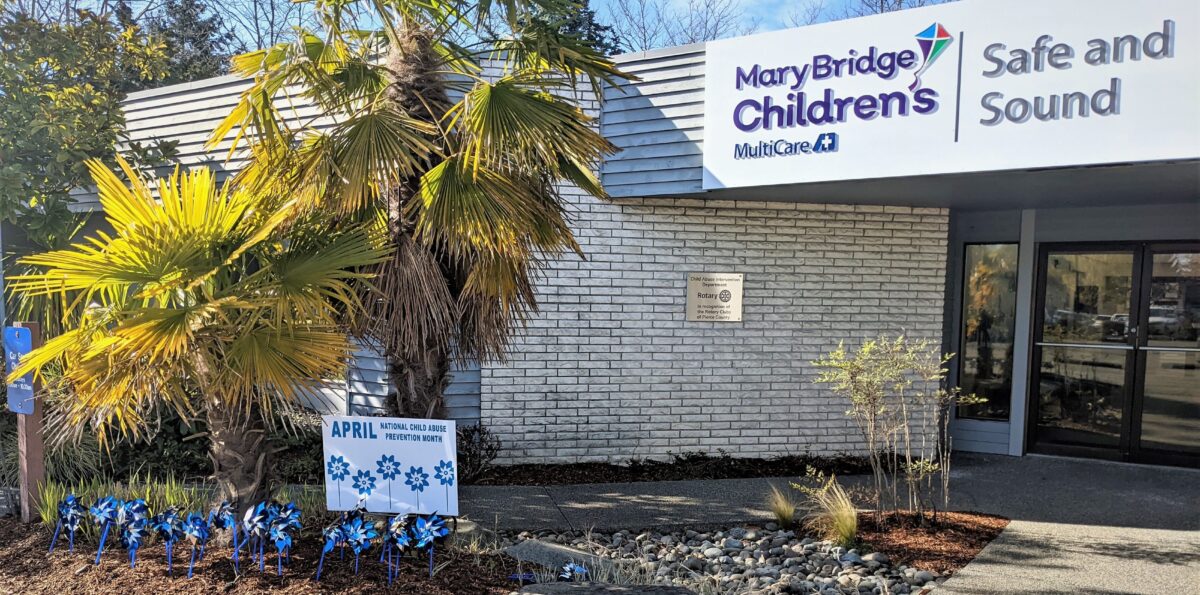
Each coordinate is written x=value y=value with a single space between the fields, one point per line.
x=18 y=342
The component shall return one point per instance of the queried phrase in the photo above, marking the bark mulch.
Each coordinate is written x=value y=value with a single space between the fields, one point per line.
x=26 y=567
x=693 y=465
x=943 y=546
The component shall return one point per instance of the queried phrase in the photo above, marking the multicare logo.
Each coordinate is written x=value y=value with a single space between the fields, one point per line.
x=933 y=41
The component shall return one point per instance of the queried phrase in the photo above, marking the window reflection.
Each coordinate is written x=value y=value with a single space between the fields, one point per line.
x=1087 y=297
x=989 y=318
x=1174 y=318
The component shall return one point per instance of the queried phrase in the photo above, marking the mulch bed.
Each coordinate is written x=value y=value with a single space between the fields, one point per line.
x=25 y=567
x=945 y=546
x=678 y=467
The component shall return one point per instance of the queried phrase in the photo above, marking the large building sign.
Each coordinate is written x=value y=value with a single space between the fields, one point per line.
x=960 y=87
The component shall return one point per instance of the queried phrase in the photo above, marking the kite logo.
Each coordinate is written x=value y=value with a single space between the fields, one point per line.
x=933 y=41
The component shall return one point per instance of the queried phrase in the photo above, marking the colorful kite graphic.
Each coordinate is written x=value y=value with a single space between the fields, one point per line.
x=933 y=41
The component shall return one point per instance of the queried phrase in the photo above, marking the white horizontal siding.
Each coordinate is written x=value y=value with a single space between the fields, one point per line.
x=657 y=122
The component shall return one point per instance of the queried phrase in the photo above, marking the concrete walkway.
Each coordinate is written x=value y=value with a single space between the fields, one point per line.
x=1078 y=526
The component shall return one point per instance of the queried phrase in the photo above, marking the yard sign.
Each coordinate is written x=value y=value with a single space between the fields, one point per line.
x=391 y=464
x=18 y=342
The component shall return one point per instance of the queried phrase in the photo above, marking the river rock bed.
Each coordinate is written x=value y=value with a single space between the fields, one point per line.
x=744 y=560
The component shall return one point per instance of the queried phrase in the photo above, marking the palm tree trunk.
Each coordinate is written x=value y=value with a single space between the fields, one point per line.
x=418 y=350
x=420 y=383
x=239 y=455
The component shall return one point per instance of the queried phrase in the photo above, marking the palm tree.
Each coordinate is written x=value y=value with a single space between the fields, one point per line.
x=217 y=302
x=461 y=148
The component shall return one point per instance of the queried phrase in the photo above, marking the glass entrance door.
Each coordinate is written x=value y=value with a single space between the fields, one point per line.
x=1116 y=353
x=1167 y=416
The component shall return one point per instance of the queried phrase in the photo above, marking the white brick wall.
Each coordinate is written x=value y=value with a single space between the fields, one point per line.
x=610 y=369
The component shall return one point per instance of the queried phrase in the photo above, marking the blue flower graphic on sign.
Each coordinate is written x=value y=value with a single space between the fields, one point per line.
x=337 y=468
x=388 y=468
x=444 y=472
x=417 y=480
x=364 y=482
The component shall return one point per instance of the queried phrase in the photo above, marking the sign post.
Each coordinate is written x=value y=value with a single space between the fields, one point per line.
x=19 y=340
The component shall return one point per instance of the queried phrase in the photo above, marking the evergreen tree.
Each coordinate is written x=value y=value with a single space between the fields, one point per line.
x=581 y=23
x=198 y=42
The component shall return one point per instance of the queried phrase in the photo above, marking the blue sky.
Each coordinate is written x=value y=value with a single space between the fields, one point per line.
x=769 y=14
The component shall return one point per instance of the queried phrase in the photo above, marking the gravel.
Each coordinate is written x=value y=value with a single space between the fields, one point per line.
x=743 y=560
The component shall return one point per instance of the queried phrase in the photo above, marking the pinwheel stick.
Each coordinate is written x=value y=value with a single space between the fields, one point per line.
x=320 y=564
x=355 y=563
x=192 y=564
x=103 y=538
x=71 y=541
x=431 y=560
x=54 y=540
x=170 y=550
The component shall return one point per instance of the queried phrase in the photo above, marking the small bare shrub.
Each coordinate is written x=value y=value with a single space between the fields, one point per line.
x=477 y=449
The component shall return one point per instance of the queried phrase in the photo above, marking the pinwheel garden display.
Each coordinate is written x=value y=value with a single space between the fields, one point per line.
x=278 y=524
x=104 y=512
x=70 y=514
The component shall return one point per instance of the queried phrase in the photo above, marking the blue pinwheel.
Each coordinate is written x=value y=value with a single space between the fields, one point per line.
x=195 y=528
x=396 y=540
x=223 y=518
x=257 y=526
x=169 y=527
x=338 y=469
x=334 y=536
x=426 y=532
x=70 y=514
x=104 y=512
x=285 y=521
x=133 y=533
x=358 y=535
x=573 y=572
x=444 y=473
x=364 y=482
x=281 y=537
x=417 y=480
x=388 y=469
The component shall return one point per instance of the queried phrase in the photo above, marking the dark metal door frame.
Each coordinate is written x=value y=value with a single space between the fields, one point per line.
x=1136 y=346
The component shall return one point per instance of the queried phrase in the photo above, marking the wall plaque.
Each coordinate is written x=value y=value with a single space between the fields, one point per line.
x=714 y=297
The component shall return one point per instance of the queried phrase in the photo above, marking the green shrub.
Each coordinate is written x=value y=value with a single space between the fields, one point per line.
x=66 y=462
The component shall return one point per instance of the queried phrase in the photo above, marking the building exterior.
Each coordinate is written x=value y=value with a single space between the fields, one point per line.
x=1019 y=181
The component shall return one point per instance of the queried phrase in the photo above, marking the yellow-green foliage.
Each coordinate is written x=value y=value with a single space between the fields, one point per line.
x=782 y=506
x=158 y=494
x=831 y=512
